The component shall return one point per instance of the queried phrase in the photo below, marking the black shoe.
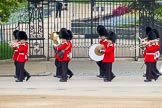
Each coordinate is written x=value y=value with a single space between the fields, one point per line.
x=156 y=78
x=54 y=75
x=100 y=76
x=28 y=77
x=113 y=77
x=147 y=80
x=18 y=81
x=158 y=74
x=144 y=75
x=71 y=75
x=105 y=80
x=61 y=80
x=59 y=76
x=15 y=76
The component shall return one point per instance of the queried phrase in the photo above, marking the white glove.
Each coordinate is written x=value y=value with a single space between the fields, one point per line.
x=102 y=51
x=54 y=45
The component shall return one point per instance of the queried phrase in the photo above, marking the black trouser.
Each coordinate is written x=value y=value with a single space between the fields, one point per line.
x=156 y=70
x=64 y=69
x=22 y=73
x=16 y=71
x=150 y=71
x=101 y=68
x=108 y=71
x=58 y=68
x=69 y=72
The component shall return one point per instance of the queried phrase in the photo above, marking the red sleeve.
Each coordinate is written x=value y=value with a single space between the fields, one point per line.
x=109 y=49
x=151 y=49
x=21 y=48
x=61 y=47
x=144 y=53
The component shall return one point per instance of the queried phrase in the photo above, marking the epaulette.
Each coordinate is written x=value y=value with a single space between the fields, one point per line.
x=66 y=43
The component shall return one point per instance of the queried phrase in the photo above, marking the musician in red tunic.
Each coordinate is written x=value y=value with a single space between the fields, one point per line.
x=15 y=54
x=109 y=56
x=57 y=63
x=150 y=58
x=22 y=57
x=63 y=53
x=102 y=34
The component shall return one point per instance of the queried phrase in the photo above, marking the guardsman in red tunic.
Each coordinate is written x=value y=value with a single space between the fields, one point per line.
x=57 y=63
x=102 y=34
x=70 y=73
x=15 y=54
x=148 y=29
x=63 y=53
x=150 y=59
x=109 y=56
x=22 y=57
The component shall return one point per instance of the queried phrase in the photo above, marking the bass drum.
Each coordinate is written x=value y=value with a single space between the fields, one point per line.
x=94 y=52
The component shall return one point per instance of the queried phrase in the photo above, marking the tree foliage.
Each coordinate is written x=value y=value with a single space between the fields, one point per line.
x=7 y=7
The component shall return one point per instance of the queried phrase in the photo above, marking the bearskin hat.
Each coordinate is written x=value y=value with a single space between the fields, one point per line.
x=22 y=35
x=64 y=34
x=101 y=30
x=70 y=34
x=152 y=35
x=156 y=32
x=148 y=29
x=15 y=33
x=111 y=36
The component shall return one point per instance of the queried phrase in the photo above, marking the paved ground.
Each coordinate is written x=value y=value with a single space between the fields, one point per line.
x=84 y=90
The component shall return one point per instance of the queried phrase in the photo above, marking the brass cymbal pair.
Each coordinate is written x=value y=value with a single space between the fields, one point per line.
x=98 y=48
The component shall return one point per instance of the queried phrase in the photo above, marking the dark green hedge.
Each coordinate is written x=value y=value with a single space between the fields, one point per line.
x=5 y=51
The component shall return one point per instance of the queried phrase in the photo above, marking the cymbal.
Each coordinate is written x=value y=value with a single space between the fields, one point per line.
x=98 y=48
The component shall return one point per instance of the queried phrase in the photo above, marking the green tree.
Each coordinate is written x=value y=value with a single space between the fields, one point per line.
x=7 y=7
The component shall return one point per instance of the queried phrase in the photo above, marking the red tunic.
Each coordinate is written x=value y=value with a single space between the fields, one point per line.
x=70 y=49
x=56 y=56
x=102 y=41
x=15 y=54
x=22 y=52
x=150 y=52
x=109 y=53
x=66 y=47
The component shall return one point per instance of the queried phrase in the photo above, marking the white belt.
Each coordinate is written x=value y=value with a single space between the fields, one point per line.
x=21 y=53
x=150 y=53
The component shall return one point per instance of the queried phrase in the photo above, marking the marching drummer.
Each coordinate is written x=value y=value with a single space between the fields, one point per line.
x=102 y=34
x=15 y=54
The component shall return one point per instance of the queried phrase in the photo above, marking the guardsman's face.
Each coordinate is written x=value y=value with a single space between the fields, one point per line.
x=103 y=37
x=64 y=40
x=23 y=41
